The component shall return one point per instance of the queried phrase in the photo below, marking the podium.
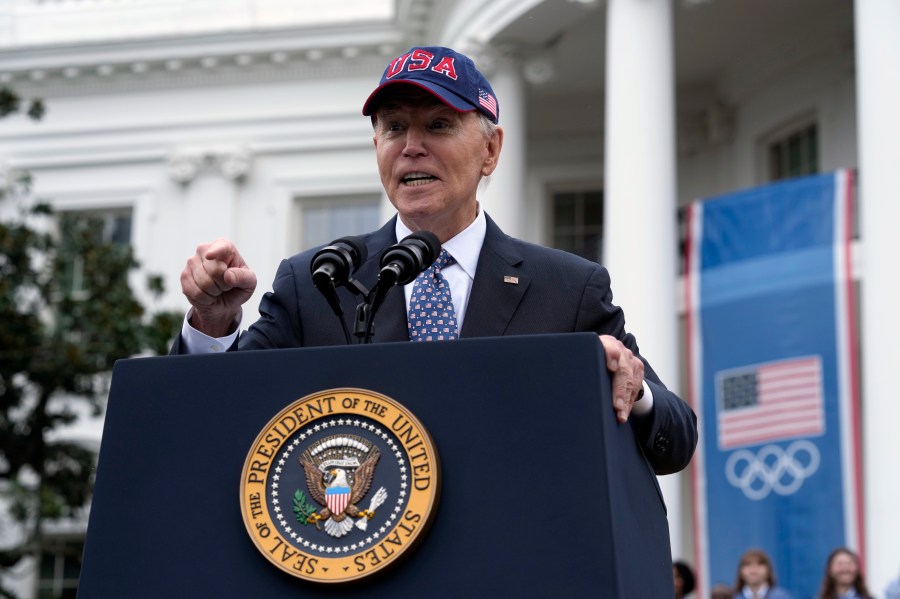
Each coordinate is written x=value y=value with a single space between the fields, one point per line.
x=543 y=493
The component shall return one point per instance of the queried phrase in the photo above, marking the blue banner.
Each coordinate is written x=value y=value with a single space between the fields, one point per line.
x=773 y=379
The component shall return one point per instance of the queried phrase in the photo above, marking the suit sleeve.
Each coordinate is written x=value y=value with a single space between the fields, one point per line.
x=279 y=315
x=668 y=433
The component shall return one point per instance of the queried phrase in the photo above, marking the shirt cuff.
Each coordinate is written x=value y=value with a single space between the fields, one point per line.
x=196 y=342
x=645 y=404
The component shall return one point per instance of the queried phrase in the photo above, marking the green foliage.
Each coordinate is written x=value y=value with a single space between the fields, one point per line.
x=303 y=509
x=67 y=313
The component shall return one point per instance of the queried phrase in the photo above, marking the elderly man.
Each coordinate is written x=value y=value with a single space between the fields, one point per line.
x=436 y=135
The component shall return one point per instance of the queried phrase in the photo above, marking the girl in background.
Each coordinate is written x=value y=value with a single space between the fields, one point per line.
x=756 y=578
x=843 y=578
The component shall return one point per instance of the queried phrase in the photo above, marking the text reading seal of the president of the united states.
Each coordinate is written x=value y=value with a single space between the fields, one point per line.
x=339 y=485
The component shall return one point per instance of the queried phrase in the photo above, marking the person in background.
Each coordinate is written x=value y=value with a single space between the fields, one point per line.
x=684 y=579
x=756 y=578
x=843 y=578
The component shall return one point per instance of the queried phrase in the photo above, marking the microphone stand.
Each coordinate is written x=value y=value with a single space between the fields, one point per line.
x=365 y=311
x=364 y=322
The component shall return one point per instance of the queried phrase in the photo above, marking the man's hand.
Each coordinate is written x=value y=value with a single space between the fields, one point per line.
x=216 y=281
x=627 y=375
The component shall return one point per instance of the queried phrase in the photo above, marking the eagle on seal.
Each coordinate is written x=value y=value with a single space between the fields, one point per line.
x=338 y=491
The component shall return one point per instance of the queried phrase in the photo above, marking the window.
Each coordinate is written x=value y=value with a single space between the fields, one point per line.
x=325 y=219
x=99 y=226
x=577 y=222
x=60 y=568
x=794 y=152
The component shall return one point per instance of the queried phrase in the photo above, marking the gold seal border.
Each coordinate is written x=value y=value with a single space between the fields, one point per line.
x=406 y=532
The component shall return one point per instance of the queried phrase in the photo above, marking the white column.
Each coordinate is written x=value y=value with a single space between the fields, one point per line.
x=878 y=96
x=640 y=192
x=208 y=185
x=504 y=196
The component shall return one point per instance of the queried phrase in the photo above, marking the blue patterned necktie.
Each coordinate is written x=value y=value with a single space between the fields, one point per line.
x=431 y=314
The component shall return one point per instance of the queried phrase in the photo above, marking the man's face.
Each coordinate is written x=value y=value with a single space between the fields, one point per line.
x=431 y=158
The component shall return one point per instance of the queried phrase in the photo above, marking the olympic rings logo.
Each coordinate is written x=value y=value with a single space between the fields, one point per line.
x=772 y=469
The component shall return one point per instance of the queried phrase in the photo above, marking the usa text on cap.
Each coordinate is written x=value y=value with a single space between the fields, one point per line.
x=448 y=75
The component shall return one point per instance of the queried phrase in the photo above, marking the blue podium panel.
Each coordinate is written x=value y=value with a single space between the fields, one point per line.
x=543 y=492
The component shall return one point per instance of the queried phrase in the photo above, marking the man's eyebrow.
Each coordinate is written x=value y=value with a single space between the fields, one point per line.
x=389 y=110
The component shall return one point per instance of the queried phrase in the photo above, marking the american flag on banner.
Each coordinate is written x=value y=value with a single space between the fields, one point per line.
x=488 y=101
x=771 y=401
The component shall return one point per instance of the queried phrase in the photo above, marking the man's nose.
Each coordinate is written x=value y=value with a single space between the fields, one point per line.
x=415 y=142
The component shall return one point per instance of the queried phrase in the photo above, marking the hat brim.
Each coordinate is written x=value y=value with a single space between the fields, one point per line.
x=446 y=96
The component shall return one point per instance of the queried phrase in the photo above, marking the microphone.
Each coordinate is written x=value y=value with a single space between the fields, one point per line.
x=332 y=265
x=401 y=263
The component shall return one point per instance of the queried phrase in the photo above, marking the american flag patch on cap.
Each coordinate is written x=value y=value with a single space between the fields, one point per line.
x=488 y=102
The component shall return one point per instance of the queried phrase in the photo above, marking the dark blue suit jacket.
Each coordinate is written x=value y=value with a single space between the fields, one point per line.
x=557 y=292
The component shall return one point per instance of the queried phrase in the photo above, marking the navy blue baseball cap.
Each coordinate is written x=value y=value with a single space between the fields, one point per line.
x=448 y=75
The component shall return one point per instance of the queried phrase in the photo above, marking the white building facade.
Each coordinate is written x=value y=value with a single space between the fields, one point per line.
x=198 y=119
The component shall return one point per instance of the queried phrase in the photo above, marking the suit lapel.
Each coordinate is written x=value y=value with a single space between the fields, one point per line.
x=500 y=283
x=390 y=321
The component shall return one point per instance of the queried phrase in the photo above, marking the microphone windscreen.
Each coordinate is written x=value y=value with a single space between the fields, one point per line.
x=359 y=251
x=403 y=261
x=432 y=246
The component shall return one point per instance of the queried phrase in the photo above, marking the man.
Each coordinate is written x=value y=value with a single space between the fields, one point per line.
x=436 y=135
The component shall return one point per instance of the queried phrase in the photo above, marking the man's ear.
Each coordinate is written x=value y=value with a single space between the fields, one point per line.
x=494 y=145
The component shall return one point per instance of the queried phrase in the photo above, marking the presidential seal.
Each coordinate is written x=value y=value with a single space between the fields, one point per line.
x=339 y=485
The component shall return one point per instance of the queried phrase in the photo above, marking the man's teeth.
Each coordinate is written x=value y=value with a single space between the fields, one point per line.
x=417 y=179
